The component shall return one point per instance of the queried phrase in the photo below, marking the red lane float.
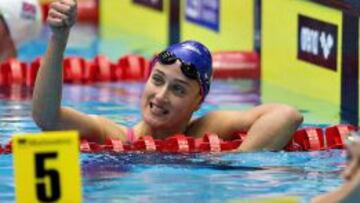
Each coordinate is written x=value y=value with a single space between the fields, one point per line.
x=210 y=142
x=5 y=74
x=105 y=68
x=130 y=67
x=87 y=10
x=236 y=64
x=305 y=139
x=134 y=67
x=74 y=69
x=111 y=145
x=336 y=135
x=145 y=143
x=12 y=71
x=178 y=143
x=7 y=148
x=32 y=72
x=78 y=70
x=310 y=139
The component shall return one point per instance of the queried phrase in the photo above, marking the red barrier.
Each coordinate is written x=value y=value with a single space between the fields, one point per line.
x=145 y=143
x=306 y=139
x=133 y=67
x=104 y=67
x=85 y=146
x=74 y=69
x=236 y=139
x=147 y=70
x=240 y=135
x=115 y=145
x=18 y=71
x=293 y=146
x=98 y=148
x=129 y=67
x=90 y=73
x=310 y=139
x=8 y=148
x=12 y=71
x=87 y=11
x=236 y=64
x=336 y=135
x=230 y=145
x=5 y=75
x=111 y=145
x=210 y=143
x=177 y=143
x=78 y=70
x=31 y=72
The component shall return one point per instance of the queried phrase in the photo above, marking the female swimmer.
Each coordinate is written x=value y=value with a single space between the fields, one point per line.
x=178 y=84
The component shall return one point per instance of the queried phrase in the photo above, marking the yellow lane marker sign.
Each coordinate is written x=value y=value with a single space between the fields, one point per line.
x=47 y=167
x=280 y=199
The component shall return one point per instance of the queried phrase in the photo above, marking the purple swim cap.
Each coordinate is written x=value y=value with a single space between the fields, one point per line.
x=195 y=53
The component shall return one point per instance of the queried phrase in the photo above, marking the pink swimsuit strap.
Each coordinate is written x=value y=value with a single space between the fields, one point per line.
x=130 y=134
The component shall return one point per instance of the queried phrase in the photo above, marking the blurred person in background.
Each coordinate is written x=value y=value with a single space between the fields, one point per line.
x=349 y=191
x=20 y=22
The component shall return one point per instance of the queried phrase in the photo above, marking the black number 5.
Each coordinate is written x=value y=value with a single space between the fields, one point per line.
x=42 y=173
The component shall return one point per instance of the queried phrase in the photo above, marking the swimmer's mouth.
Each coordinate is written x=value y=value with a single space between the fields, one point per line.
x=158 y=110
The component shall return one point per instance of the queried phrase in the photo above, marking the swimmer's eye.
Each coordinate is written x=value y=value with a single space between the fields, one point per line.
x=157 y=79
x=178 y=90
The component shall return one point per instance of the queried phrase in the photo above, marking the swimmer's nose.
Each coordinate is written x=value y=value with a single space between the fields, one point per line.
x=162 y=95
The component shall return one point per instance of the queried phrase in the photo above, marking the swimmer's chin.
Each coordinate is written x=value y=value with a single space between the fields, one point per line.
x=155 y=124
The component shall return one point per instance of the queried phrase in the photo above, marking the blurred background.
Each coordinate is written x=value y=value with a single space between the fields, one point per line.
x=301 y=52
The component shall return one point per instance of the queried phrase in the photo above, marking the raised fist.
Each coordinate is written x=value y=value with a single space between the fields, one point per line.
x=62 y=15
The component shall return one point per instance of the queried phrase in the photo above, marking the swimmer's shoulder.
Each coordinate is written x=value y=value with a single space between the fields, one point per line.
x=199 y=126
x=213 y=122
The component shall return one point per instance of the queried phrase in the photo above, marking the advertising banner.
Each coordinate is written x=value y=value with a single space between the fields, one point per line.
x=317 y=42
x=301 y=52
x=154 y=4
x=204 y=13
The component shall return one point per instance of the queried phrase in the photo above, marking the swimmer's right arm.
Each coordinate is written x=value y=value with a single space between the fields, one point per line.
x=47 y=111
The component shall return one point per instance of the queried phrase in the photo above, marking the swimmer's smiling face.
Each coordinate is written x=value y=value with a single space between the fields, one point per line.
x=169 y=97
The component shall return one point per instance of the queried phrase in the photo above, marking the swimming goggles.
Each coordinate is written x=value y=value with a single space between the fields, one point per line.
x=188 y=69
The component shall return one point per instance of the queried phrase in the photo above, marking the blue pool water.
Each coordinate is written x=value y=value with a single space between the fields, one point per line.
x=154 y=177
x=173 y=178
